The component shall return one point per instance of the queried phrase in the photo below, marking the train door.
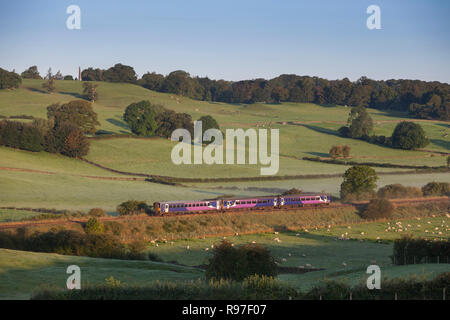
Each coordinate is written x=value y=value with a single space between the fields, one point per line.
x=218 y=204
x=274 y=202
x=282 y=201
x=166 y=207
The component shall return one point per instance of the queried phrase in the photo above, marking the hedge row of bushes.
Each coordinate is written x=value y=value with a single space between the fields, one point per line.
x=69 y=242
x=370 y=164
x=408 y=250
x=256 y=288
x=393 y=191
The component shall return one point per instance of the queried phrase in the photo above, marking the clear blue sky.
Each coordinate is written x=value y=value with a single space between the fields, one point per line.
x=232 y=40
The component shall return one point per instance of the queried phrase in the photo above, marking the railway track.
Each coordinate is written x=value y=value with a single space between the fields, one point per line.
x=401 y=202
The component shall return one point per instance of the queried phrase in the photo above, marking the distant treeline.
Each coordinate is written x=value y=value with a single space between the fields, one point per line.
x=428 y=100
x=422 y=99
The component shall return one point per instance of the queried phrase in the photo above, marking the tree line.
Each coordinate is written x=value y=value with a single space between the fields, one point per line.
x=428 y=100
x=422 y=99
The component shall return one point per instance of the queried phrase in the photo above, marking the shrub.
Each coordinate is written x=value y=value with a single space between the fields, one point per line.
x=209 y=122
x=9 y=80
x=345 y=132
x=233 y=263
x=409 y=135
x=378 y=209
x=116 y=228
x=97 y=212
x=436 y=189
x=346 y=151
x=136 y=250
x=336 y=151
x=392 y=191
x=132 y=207
x=93 y=226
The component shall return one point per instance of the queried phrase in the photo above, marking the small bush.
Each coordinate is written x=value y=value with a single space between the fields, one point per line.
x=378 y=209
x=97 y=212
x=393 y=191
x=436 y=189
x=93 y=226
x=233 y=263
x=116 y=228
x=132 y=207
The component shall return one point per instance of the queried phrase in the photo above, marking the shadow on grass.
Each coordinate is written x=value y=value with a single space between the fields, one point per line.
x=73 y=94
x=118 y=123
x=441 y=143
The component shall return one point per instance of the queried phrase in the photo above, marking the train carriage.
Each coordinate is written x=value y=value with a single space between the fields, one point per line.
x=167 y=207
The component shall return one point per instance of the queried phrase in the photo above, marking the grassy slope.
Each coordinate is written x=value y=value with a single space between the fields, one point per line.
x=22 y=272
x=314 y=139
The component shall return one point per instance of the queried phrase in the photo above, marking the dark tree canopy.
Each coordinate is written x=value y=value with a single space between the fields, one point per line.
x=9 y=80
x=70 y=141
x=237 y=263
x=91 y=74
x=152 y=81
x=409 y=135
x=414 y=96
x=140 y=116
x=78 y=113
x=209 y=122
x=31 y=73
x=120 y=73
x=358 y=180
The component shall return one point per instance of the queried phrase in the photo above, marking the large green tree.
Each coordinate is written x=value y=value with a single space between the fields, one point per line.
x=141 y=117
x=78 y=113
x=358 y=180
x=120 y=73
x=409 y=135
x=360 y=123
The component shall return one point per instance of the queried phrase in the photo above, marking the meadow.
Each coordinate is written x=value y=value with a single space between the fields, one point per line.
x=42 y=180
x=22 y=272
x=317 y=254
x=54 y=181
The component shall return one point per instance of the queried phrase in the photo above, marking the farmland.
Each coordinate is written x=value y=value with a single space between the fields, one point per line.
x=54 y=181
x=43 y=180
x=22 y=273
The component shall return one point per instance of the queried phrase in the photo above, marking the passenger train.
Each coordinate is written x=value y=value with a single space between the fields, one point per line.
x=231 y=204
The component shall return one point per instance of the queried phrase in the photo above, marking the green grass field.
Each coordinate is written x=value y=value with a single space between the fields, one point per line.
x=42 y=180
x=22 y=273
x=48 y=180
